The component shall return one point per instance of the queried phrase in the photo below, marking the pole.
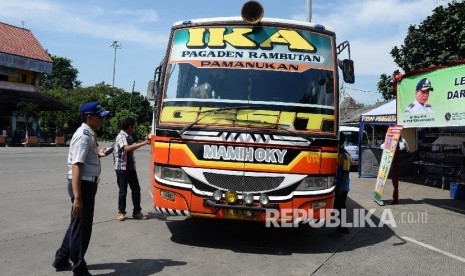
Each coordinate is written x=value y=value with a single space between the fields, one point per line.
x=132 y=93
x=114 y=68
x=309 y=10
x=395 y=177
x=116 y=46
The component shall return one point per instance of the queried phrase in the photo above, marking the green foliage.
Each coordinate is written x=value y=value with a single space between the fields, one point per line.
x=63 y=85
x=64 y=75
x=438 y=40
x=115 y=121
x=114 y=126
x=123 y=104
x=66 y=122
x=386 y=87
x=27 y=110
x=116 y=100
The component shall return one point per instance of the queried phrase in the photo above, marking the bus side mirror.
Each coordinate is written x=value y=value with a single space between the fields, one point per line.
x=348 y=70
x=152 y=91
x=153 y=87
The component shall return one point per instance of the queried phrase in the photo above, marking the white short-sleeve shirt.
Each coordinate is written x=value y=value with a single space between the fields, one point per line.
x=83 y=148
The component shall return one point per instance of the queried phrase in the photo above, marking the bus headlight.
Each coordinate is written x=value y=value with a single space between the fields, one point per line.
x=313 y=183
x=172 y=174
x=217 y=195
x=231 y=197
x=248 y=198
x=263 y=199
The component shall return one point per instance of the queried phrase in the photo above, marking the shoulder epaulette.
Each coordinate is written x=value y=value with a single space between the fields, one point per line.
x=411 y=105
x=427 y=105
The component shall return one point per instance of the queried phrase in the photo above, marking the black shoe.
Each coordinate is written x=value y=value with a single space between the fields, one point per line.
x=61 y=265
x=85 y=273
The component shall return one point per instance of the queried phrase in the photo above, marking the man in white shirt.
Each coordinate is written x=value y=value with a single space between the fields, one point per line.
x=83 y=177
x=421 y=97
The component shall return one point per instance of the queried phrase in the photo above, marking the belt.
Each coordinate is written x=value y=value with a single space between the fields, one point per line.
x=94 y=179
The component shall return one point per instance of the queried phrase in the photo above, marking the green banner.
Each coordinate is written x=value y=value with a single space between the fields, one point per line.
x=432 y=99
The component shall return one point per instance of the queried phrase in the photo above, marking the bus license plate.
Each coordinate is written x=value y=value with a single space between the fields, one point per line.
x=240 y=214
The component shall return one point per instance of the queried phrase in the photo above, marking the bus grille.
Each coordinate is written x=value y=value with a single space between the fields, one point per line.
x=241 y=183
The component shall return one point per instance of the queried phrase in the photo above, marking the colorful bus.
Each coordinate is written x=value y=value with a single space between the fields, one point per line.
x=246 y=118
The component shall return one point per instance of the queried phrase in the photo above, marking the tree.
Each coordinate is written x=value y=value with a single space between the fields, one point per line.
x=64 y=75
x=63 y=85
x=28 y=111
x=438 y=40
x=386 y=86
x=64 y=122
x=116 y=100
x=123 y=104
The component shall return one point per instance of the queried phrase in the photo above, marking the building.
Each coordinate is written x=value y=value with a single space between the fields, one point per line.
x=22 y=61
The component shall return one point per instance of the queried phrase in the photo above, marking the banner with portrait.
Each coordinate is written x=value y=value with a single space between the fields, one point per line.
x=432 y=99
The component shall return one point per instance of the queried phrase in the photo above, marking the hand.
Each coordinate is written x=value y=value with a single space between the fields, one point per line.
x=108 y=150
x=147 y=142
x=77 y=208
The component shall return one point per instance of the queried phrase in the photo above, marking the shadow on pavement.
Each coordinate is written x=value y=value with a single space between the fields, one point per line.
x=454 y=205
x=137 y=267
x=255 y=238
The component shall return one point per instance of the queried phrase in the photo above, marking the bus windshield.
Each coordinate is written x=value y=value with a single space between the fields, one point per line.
x=312 y=89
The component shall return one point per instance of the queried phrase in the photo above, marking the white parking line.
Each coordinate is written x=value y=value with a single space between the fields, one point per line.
x=434 y=249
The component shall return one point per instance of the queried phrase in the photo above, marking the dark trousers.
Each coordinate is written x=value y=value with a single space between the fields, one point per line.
x=340 y=204
x=123 y=178
x=77 y=237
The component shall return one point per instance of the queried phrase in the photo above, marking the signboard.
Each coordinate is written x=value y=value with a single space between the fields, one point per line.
x=390 y=145
x=376 y=119
x=246 y=47
x=433 y=99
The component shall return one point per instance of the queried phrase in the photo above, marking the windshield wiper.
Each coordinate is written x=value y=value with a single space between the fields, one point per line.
x=273 y=125
x=208 y=113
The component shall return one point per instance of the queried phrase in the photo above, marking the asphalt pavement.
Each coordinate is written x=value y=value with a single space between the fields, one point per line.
x=422 y=235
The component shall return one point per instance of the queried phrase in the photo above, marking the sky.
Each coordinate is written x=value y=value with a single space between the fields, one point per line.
x=82 y=30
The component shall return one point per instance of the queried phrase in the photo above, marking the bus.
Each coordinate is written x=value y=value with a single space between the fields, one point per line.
x=245 y=122
x=351 y=143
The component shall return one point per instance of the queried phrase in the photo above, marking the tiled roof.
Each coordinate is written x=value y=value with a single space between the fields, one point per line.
x=21 y=42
